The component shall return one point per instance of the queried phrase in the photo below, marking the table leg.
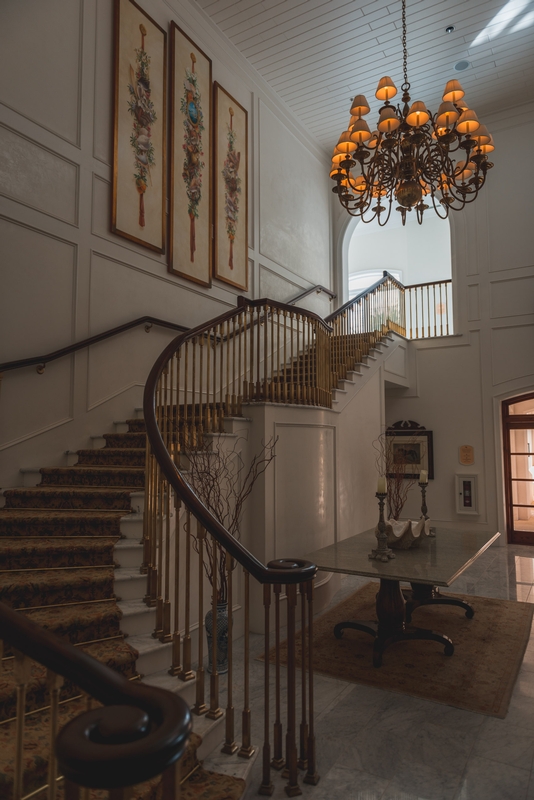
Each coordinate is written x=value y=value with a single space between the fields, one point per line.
x=391 y=627
x=422 y=594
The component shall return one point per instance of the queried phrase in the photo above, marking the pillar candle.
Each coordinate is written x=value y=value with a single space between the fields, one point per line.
x=423 y=476
x=382 y=486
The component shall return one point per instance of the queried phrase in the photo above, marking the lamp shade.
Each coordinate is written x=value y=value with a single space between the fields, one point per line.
x=453 y=92
x=468 y=122
x=360 y=106
x=373 y=141
x=360 y=132
x=388 y=120
x=489 y=147
x=386 y=89
x=464 y=171
x=447 y=115
x=481 y=135
x=358 y=184
x=337 y=158
x=345 y=144
x=417 y=115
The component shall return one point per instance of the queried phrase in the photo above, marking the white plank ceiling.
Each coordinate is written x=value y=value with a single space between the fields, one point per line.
x=318 y=54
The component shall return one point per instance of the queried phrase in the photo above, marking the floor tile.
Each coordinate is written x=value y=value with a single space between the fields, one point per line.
x=487 y=780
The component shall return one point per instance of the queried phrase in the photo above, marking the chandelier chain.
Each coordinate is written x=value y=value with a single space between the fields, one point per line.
x=406 y=85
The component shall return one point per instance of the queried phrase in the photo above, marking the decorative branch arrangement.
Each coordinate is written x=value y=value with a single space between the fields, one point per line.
x=222 y=481
x=399 y=471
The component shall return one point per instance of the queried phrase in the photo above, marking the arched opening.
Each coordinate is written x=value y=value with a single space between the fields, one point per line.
x=419 y=256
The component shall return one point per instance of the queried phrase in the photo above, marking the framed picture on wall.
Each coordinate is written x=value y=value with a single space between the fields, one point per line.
x=139 y=165
x=231 y=182
x=411 y=448
x=190 y=244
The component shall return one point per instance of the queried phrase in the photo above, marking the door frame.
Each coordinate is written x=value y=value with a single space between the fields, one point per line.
x=509 y=423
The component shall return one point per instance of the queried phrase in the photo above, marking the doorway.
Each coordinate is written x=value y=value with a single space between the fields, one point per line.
x=518 y=446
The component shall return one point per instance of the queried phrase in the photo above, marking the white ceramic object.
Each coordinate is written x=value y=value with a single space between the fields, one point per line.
x=403 y=534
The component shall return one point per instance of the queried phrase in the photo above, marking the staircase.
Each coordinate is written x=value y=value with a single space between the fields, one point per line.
x=70 y=560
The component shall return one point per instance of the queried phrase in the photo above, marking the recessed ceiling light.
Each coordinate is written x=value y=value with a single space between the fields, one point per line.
x=460 y=66
x=449 y=29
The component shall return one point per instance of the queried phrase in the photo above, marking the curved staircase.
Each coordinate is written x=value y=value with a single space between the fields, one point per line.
x=70 y=557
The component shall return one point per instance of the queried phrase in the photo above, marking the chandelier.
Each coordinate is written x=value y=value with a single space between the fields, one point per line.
x=412 y=157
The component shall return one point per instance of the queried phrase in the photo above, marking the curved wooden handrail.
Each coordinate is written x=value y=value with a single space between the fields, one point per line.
x=41 y=361
x=315 y=289
x=283 y=571
x=140 y=731
x=386 y=276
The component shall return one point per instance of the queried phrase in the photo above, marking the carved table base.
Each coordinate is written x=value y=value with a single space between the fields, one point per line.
x=391 y=625
x=422 y=594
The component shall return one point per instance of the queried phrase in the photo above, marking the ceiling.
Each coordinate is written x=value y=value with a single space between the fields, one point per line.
x=318 y=54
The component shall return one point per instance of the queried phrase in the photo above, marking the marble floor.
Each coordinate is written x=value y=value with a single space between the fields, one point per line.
x=377 y=745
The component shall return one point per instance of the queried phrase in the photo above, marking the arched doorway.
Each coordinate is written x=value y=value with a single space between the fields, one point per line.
x=518 y=447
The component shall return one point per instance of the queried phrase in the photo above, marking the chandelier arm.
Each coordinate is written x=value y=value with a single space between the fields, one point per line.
x=437 y=209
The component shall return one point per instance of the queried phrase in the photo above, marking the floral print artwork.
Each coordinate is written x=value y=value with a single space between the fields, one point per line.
x=232 y=185
x=191 y=108
x=143 y=112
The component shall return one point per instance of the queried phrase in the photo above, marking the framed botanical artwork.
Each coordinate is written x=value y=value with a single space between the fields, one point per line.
x=231 y=180
x=139 y=166
x=410 y=449
x=190 y=242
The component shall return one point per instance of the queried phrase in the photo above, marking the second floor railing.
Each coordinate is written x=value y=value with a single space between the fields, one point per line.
x=429 y=310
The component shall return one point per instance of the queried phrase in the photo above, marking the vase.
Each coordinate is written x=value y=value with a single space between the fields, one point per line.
x=222 y=637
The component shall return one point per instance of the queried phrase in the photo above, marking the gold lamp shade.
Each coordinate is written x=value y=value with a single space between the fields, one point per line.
x=489 y=147
x=360 y=132
x=417 y=115
x=337 y=158
x=468 y=122
x=453 y=92
x=359 y=184
x=373 y=141
x=447 y=115
x=345 y=144
x=464 y=171
x=481 y=135
x=386 y=89
x=360 y=106
x=388 y=120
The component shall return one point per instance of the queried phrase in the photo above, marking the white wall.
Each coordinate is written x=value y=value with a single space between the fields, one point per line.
x=64 y=276
x=459 y=383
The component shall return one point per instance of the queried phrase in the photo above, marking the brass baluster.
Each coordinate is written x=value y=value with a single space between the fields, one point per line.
x=230 y=745
x=440 y=311
x=285 y=394
x=186 y=392
x=428 y=307
x=21 y=674
x=303 y=752
x=227 y=403
x=278 y=760
x=187 y=674
x=246 y=750
x=199 y=418
x=265 y=394
x=416 y=315
x=292 y=385
x=258 y=327
x=200 y=706
x=266 y=787
x=272 y=396
x=54 y=684
x=220 y=410
x=235 y=370
x=241 y=362
x=167 y=636
x=214 y=416
x=292 y=787
x=214 y=711
x=146 y=511
x=278 y=372
x=192 y=436
x=176 y=666
x=251 y=374
x=449 y=286
x=311 y=776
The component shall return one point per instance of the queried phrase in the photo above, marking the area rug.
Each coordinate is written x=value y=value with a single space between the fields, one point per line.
x=479 y=677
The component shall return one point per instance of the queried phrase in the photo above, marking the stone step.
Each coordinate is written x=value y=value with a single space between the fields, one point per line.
x=128 y=554
x=154 y=656
x=138 y=618
x=131 y=526
x=130 y=584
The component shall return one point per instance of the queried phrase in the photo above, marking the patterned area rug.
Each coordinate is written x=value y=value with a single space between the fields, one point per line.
x=480 y=676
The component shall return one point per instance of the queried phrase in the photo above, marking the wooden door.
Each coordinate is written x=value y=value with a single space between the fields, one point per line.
x=518 y=433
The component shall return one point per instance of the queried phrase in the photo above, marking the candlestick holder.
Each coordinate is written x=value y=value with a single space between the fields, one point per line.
x=424 y=509
x=382 y=552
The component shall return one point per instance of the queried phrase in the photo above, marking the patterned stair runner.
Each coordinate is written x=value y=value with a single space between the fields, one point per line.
x=57 y=568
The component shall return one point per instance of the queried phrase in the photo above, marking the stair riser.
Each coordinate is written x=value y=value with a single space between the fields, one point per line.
x=112 y=458
x=138 y=624
x=121 y=440
x=131 y=589
x=130 y=557
x=132 y=528
x=104 y=502
x=155 y=660
x=89 y=477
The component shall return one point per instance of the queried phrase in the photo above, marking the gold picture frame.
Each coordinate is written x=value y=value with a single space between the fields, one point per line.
x=190 y=241
x=139 y=119
x=230 y=138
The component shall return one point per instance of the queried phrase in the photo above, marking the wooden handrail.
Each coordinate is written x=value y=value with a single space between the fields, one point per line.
x=282 y=571
x=87 y=755
x=41 y=361
x=386 y=276
x=428 y=283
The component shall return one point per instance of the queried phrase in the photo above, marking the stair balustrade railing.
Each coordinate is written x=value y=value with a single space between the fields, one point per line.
x=120 y=733
x=429 y=309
